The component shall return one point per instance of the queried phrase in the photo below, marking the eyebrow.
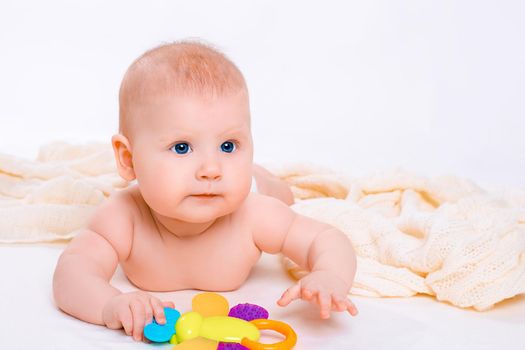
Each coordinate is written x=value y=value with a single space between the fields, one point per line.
x=183 y=135
x=236 y=130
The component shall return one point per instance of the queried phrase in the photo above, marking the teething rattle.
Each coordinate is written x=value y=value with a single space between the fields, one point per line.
x=239 y=330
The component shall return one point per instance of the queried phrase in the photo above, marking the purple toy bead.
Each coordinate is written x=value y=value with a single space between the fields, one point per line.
x=248 y=312
x=231 y=346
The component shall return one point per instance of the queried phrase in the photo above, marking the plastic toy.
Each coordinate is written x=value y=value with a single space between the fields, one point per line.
x=248 y=312
x=218 y=328
x=278 y=326
x=240 y=329
x=162 y=333
x=210 y=304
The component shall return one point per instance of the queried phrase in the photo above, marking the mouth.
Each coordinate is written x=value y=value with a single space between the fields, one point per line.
x=204 y=195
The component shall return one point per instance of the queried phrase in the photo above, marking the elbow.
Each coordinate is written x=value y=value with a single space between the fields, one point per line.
x=63 y=281
x=58 y=284
x=351 y=257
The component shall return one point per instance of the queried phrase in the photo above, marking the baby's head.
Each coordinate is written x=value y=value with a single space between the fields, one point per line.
x=184 y=130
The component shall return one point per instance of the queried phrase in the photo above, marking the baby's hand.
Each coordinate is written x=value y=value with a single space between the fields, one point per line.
x=323 y=288
x=133 y=311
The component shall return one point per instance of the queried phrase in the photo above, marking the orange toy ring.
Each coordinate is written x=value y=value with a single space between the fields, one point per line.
x=278 y=326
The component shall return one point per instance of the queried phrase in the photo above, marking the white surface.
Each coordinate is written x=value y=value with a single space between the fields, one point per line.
x=361 y=86
x=30 y=319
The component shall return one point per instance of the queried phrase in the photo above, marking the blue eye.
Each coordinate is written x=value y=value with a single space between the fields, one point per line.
x=181 y=148
x=228 y=147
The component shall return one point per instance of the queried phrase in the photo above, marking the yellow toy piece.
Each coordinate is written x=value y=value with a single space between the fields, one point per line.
x=197 y=344
x=219 y=328
x=228 y=329
x=210 y=304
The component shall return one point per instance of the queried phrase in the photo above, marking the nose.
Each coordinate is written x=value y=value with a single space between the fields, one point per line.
x=209 y=170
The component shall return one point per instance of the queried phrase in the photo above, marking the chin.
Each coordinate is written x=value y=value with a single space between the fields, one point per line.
x=200 y=215
x=195 y=213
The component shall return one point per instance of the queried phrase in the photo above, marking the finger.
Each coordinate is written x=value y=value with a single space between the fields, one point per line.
x=338 y=303
x=307 y=294
x=168 y=304
x=158 y=311
x=352 y=309
x=325 y=302
x=148 y=312
x=114 y=321
x=290 y=294
x=126 y=318
x=139 y=317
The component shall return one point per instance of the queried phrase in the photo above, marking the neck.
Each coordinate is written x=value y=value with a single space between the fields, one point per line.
x=179 y=228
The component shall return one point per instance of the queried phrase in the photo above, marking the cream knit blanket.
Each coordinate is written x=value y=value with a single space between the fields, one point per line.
x=443 y=236
x=51 y=198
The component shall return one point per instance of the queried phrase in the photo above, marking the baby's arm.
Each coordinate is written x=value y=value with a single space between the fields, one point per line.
x=321 y=248
x=81 y=281
x=270 y=185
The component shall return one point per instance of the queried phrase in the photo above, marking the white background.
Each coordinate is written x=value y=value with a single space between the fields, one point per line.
x=436 y=87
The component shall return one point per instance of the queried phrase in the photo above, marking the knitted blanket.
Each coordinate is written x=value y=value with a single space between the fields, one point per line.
x=442 y=236
x=51 y=197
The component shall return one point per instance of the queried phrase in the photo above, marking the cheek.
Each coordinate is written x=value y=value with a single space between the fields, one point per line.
x=239 y=177
x=162 y=185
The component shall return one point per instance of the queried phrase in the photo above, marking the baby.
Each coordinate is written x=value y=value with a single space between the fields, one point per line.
x=185 y=137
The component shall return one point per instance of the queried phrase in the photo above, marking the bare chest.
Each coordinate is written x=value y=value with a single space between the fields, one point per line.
x=217 y=260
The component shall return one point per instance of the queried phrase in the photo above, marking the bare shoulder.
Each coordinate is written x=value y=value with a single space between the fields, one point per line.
x=114 y=221
x=270 y=220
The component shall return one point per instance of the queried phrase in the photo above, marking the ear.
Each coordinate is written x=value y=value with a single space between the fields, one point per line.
x=123 y=156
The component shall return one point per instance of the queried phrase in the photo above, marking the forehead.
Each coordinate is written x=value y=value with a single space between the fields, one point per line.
x=174 y=115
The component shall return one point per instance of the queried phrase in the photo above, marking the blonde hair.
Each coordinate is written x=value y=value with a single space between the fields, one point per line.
x=182 y=67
